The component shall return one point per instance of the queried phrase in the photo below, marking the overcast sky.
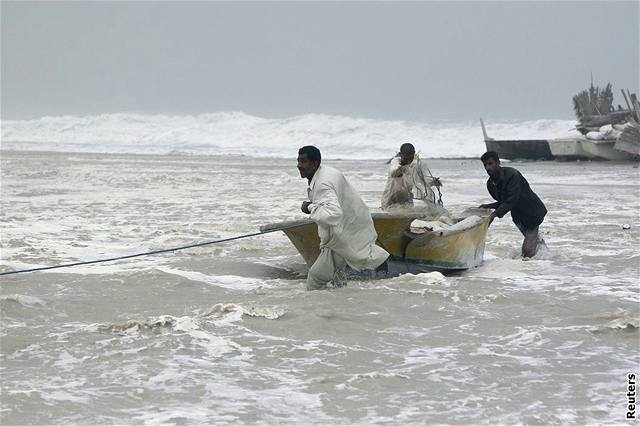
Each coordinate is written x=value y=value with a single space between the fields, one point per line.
x=387 y=60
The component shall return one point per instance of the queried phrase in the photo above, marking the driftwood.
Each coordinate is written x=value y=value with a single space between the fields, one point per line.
x=594 y=101
x=594 y=108
x=594 y=122
x=624 y=95
x=629 y=140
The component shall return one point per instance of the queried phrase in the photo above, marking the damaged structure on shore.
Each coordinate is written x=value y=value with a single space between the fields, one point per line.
x=606 y=132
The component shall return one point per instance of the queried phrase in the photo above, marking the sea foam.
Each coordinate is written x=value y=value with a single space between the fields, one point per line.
x=236 y=133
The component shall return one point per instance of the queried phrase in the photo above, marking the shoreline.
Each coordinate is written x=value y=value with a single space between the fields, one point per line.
x=186 y=155
x=191 y=155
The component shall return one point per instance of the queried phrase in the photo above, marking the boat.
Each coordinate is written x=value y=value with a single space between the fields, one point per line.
x=515 y=149
x=412 y=250
x=572 y=148
x=604 y=132
x=583 y=148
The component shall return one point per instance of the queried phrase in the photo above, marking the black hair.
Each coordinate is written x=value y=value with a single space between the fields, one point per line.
x=489 y=155
x=311 y=152
x=407 y=148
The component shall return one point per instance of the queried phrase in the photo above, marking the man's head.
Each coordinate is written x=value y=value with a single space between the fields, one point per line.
x=491 y=163
x=407 y=152
x=308 y=161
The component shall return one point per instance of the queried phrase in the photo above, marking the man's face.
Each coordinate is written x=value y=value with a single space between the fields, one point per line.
x=306 y=167
x=492 y=167
x=406 y=157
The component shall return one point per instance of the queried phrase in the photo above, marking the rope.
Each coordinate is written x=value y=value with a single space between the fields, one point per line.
x=111 y=259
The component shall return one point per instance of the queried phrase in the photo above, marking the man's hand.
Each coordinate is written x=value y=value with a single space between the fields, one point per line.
x=436 y=182
x=492 y=216
x=305 y=207
x=486 y=206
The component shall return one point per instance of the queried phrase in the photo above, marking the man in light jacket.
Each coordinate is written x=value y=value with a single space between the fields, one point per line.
x=345 y=227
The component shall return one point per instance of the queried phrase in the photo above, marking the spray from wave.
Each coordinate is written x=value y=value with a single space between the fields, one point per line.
x=236 y=133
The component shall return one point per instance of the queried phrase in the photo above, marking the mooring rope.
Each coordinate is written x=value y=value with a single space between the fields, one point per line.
x=149 y=253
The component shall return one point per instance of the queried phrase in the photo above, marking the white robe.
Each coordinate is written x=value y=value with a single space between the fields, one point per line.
x=416 y=181
x=344 y=221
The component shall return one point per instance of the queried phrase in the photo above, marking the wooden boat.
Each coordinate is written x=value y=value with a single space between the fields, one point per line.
x=460 y=248
x=518 y=149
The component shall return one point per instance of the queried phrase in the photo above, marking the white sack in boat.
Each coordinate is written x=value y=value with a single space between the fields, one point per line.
x=606 y=132
x=466 y=223
x=595 y=136
x=444 y=223
x=419 y=226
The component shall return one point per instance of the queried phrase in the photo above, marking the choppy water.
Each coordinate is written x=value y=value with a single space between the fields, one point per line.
x=227 y=334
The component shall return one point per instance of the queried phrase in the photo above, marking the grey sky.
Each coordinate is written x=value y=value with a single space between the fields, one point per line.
x=413 y=61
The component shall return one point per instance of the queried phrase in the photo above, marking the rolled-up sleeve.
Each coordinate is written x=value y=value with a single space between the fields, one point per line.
x=325 y=208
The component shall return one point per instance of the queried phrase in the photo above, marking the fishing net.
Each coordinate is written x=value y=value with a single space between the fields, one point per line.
x=414 y=184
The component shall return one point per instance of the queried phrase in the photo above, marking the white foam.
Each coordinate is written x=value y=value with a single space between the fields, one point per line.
x=60 y=395
x=231 y=282
x=628 y=322
x=231 y=312
x=427 y=278
x=66 y=361
x=28 y=301
x=241 y=134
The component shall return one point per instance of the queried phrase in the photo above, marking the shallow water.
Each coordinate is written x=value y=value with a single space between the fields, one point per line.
x=226 y=334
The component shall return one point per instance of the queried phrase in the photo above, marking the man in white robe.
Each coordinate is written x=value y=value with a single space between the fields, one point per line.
x=345 y=227
x=409 y=178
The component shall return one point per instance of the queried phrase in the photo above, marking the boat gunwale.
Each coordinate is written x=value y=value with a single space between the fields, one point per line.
x=374 y=215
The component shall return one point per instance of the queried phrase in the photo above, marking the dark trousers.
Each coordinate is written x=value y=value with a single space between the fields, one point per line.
x=531 y=240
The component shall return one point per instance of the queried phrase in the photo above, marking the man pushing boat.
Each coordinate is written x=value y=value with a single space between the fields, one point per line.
x=346 y=231
x=513 y=194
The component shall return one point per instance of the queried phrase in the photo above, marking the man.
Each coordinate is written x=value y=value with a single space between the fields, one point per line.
x=345 y=227
x=512 y=193
x=409 y=178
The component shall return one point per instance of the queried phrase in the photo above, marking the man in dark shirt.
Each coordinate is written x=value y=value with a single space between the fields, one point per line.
x=512 y=193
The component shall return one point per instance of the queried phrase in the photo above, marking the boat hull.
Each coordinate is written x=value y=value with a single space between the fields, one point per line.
x=525 y=149
x=558 y=149
x=410 y=252
x=572 y=148
x=587 y=149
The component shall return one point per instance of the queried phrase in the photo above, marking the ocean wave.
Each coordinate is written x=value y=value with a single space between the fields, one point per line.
x=628 y=323
x=163 y=321
x=27 y=301
x=236 y=133
x=267 y=312
x=221 y=314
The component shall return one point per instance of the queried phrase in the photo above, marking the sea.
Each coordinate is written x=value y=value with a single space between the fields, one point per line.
x=226 y=334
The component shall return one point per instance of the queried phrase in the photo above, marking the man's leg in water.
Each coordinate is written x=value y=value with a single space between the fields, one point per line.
x=531 y=240
x=328 y=267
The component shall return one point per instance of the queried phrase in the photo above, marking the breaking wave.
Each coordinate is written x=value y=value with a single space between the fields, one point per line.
x=220 y=313
x=21 y=299
x=236 y=133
